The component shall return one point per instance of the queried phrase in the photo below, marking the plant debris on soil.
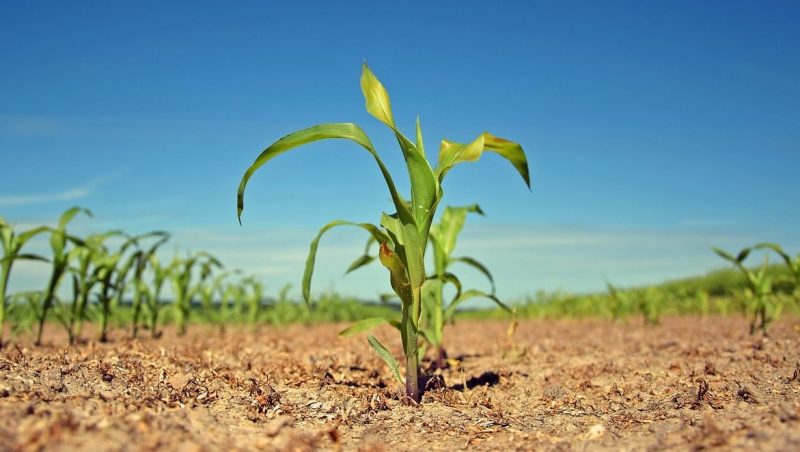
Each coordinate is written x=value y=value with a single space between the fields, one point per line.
x=689 y=383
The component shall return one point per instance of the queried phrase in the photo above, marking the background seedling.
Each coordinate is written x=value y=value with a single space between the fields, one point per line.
x=764 y=307
x=59 y=241
x=12 y=250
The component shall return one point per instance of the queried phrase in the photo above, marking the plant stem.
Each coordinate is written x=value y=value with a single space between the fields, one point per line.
x=410 y=324
x=5 y=268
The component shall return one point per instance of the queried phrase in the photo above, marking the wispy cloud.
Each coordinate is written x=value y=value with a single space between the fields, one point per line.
x=70 y=194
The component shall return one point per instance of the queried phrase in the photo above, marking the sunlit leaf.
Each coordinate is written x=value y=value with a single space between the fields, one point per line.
x=386 y=356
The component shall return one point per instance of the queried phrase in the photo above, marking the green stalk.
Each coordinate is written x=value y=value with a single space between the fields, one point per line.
x=410 y=327
x=5 y=273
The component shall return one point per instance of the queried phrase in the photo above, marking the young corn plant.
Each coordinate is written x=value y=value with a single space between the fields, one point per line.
x=403 y=235
x=792 y=264
x=650 y=304
x=762 y=305
x=59 y=241
x=436 y=313
x=183 y=291
x=112 y=274
x=620 y=302
x=208 y=291
x=12 y=243
x=84 y=278
x=140 y=261
x=253 y=298
x=152 y=294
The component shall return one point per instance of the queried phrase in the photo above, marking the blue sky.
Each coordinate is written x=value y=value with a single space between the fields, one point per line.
x=653 y=129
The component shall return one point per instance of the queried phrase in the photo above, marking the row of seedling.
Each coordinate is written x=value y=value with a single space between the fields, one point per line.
x=100 y=275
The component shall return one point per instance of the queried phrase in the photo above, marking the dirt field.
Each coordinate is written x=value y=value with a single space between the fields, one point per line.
x=565 y=385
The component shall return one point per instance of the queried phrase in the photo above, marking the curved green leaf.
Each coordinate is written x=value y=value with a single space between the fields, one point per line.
x=376 y=97
x=363 y=260
x=476 y=265
x=360 y=262
x=472 y=293
x=376 y=233
x=69 y=214
x=347 y=131
x=424 y=186
x=777 y=249
x=453 y=279
x=451 y=154
x=27 y=235
x=366 y=325
x=386 y=356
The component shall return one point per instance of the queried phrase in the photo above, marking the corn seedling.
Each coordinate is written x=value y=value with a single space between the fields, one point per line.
x=12 y=251
x=650 y=302
x=253 y=298
x=792 y=264
x=59 y=240
x=112 y=274
x=140 y=261
x=761 y=302
x=703 y=302
x=152 y=294
x=403 y=235
x=84 y=278
x=183 y=291
x=620 y=302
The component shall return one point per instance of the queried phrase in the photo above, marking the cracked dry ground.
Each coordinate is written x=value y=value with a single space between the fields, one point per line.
x=689 y=383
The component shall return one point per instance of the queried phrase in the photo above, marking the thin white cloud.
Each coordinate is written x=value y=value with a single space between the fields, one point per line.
x=70 y=194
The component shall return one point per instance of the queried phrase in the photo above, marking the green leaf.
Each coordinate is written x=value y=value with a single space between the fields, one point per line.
x=360 y=262
x=32 y=257
x=452 y=279
x=69 y=214
x=27 y=235
x=472 y=293
x=478 y=266
x=424 y=186
x=451 y=154
x=364 y=325
x=743 y=255
x=452 y=223
x=386 y=356
x=347 y=131
x=723 y=254
x=363 y=260
x=376 y=233
x=777 y=249
x=377 y=99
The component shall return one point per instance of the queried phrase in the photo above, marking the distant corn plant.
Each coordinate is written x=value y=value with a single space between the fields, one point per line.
x=60 y=240
x=139 y=261
x=762 y=305
x=112 y=274
x=152 y=294
x=621 y=302
x=436 y=313
x=650 y=304
x=209 y=290
x=85 y=276
x=12 y=243
x=253 y=298
x=403 y=235
x=792 y=264
x=184 y=286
